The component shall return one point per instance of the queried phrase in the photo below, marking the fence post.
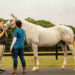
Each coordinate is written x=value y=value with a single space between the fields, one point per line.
x=56 y=53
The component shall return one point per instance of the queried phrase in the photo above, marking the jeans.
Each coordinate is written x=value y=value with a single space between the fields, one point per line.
x=2 y=48
x=20 y=52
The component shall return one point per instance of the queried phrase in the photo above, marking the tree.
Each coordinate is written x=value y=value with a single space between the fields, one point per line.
x=73 y=28
x=43 y=23
x=4 y=20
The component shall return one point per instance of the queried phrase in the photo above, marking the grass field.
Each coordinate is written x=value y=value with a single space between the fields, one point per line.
x=45 y=61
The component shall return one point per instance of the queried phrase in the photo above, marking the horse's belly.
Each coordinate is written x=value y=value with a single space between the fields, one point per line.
x=49 y=40
x=48 y=43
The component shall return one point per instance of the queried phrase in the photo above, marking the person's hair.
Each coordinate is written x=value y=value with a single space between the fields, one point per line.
x=18 y=23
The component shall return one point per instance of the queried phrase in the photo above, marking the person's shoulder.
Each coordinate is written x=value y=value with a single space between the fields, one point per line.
x=23 y=30
x=16 y=30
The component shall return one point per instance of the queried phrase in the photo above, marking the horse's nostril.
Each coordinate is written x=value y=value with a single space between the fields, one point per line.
x=9 y=28
x=4 y=27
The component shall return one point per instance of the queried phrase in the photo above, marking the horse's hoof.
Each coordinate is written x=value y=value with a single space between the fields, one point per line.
x=62 y=68
x=73 y=69
x=35 y=69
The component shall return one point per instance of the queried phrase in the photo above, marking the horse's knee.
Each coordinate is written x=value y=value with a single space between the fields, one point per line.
x=35 y=57
x=74 y=52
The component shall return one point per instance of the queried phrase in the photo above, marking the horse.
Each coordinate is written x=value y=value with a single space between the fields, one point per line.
x=38 y=36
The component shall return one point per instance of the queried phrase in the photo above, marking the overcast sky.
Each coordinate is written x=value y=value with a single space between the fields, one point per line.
x=56 y=11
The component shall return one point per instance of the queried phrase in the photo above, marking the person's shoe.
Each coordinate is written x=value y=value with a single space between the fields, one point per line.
x=24 y=72
x=24 y=69
x=14 y=71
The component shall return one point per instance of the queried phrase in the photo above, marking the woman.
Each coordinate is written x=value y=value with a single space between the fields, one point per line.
x=3 y=35
x=17 y=47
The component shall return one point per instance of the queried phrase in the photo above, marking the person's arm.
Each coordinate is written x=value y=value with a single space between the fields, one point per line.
x=6 y=34
x=2 y=33
x=13 y=42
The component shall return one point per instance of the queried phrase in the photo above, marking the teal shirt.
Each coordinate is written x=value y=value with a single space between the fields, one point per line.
x=20 y=35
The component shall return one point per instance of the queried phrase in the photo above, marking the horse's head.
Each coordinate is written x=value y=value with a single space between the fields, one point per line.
x=11 y=22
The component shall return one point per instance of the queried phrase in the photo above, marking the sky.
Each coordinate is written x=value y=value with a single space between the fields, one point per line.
x=55 y=11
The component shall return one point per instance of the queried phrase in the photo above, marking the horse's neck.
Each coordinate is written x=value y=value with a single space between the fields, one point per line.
x=26 y=25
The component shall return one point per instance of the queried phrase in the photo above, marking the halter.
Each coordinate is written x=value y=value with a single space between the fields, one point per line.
x=8 y=25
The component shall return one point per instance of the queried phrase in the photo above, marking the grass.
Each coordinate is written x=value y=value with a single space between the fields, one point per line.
x=45 y=61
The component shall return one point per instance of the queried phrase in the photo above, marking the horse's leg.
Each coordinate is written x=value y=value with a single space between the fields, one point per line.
x=64 y=48
x=35 y=50
x=72 y=48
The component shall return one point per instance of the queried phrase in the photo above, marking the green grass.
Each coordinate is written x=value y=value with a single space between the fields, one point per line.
x=45 y=61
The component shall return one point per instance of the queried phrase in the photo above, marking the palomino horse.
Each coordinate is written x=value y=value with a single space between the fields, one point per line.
x=37 y=36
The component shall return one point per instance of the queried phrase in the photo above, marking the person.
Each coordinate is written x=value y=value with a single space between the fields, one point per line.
x=3 y=35
x=17 y=47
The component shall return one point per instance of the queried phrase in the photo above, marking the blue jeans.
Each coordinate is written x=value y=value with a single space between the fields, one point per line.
x=20 y=52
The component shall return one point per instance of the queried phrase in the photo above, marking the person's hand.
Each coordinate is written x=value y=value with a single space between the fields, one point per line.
x=5 y=29
x=10 y=50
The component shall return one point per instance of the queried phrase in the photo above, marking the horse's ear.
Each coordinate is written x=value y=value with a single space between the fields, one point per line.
x=13 y=16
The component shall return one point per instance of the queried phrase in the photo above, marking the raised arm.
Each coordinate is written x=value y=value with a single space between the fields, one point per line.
x=2 y=33
x=6 y=34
